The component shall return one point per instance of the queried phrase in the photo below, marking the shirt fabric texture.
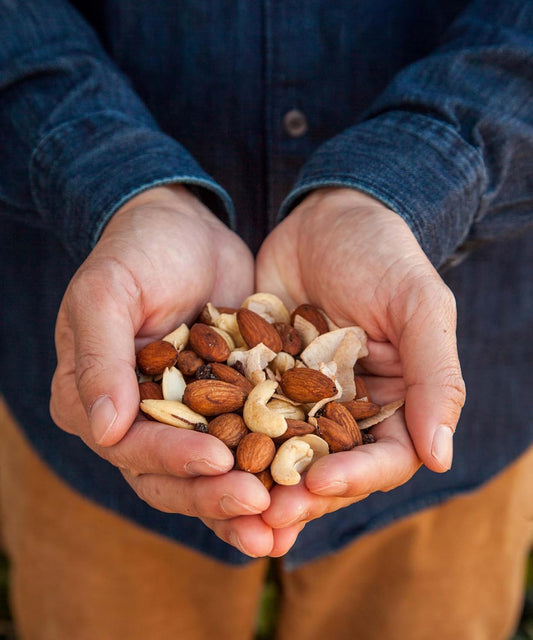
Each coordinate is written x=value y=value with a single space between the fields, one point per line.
x=426 y=106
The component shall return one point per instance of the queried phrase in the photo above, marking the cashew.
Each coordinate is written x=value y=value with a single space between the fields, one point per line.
x=257 y=416
x=282 y=362
x=228 y=323
x=179 y=337
x=287 y=409
x=268 y=306
x=296 y=455
x=172 y=412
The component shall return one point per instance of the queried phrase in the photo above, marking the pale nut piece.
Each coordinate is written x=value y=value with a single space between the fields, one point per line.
x=306 y=330
x=281 y=363
x=255 y=452
x=288 y=409
x=173 y=412
x=179 y=337
x=268 y=306
x=213 y=397
x=253 y=361
x=257 y=416
x=227 y=337
x=173 y=384
x=228 y=322
x=296 y=455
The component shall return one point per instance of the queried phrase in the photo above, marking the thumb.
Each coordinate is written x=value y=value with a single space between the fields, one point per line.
x=435 y=387
x=100 y=313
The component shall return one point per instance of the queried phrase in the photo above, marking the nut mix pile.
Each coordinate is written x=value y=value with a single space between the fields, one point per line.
x=277 y=388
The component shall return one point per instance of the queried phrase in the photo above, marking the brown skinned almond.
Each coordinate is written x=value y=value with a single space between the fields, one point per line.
x=339 y=413
x=212 y=397
x=305 y=385
x=150 y=391
x=228 y=427
x=311 y=313
x=255 y=452
x=228 y=374
x=255 y=329
x=208 y=343
x=156 y=356
x=361 y=409
x=294 y=428
x=337 y=437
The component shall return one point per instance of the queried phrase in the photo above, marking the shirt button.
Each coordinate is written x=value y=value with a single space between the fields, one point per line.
x=295 y=123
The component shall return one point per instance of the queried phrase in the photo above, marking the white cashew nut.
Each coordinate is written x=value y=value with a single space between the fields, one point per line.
x=296 y=455
x=257 y=416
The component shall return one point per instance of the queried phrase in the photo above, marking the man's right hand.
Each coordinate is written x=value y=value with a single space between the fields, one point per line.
x=160 y=258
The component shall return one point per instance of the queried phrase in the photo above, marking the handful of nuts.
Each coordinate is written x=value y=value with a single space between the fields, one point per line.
x=277 y=388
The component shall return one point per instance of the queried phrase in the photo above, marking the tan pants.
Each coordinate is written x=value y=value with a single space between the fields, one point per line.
x=80 y=572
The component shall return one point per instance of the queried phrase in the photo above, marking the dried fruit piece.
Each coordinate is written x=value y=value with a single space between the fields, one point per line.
x=291 y=342
x=156 y=356
x=228 y=427
x=255 y=452
x=208 y=343
x=307 y=385
x=255 y=329
x=189 y=362
x=212 y=397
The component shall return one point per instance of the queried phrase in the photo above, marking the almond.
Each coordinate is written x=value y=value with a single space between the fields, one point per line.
x=188 y=362
x=313 y=315
x=255 y=329
x=150 y=391
x=255 y=452
x=208 y=343
x=291 y=342
x=228 y=427
x=294 y=428
x=156 y=356
x=361 y=409
x=361 y=390
x=337 y=437
x=307 y=385
x=212 y=397
x=229 y=374
x=266 y=478
x=338 y=413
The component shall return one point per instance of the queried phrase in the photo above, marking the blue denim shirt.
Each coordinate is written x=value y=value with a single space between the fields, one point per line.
x=427 y=106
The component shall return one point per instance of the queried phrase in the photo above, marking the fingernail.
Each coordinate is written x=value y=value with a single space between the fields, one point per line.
x=102 y=416
x=442 y=447
x=233 y=507
x=234 y=540
x=203 y=467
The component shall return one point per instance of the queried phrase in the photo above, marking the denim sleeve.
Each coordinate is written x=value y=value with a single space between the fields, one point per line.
x=449 y=143
x=75 y=140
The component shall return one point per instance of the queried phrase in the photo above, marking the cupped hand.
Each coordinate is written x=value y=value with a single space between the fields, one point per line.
x=159 y=259
x=359 y=261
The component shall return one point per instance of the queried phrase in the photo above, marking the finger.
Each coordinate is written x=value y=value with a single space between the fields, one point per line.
x=284 y=539
x=150 y=447
x=435 y=388
x=381 y=466
x=249 y=534
x=218 y=498
x=294 y=506
x=100 y=305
